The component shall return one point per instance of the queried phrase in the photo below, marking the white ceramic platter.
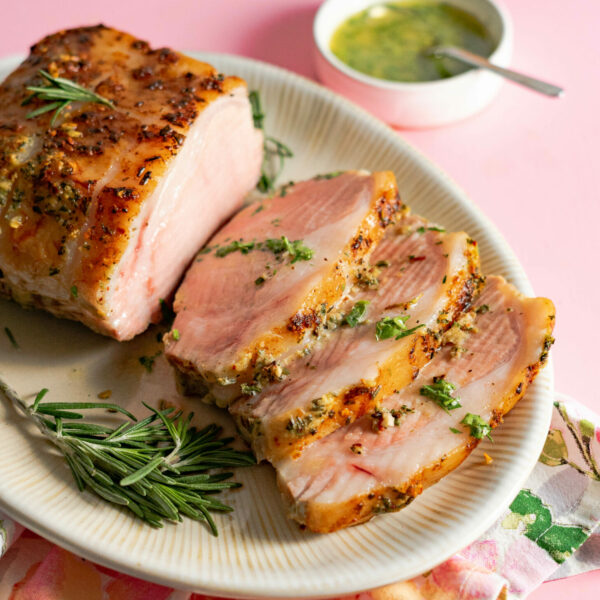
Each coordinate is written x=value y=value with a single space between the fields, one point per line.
x=259 y=551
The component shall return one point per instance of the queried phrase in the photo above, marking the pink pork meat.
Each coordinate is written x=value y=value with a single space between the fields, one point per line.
x=103 y=207
x=261 y=290
x=383 y=461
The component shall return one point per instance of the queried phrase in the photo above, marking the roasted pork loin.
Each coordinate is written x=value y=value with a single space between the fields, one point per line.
x=368 y=467
x=262 y=288
x=101 y=211
x=424 y=280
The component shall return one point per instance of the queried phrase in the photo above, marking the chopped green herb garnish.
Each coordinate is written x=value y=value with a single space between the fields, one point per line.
x=445 y=279
x=251 y=389
x=393 y=327
x=382 y=263
x=257 y=209
x=11 y=337
x=328 y=175
x=235 y=246
x=479 y=427
x=176 y=334
x=259 y=280
x=284 y=189
x=440 y=391
x=148 y=361
x=74 y=291
x=480 y=310
x=296 y=249
x=424 y=229
x=454 y=430
x=357 y=314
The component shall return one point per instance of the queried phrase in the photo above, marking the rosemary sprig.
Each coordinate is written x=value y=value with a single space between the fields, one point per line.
x=60 y=93
x=274 y=151
x=157 y=467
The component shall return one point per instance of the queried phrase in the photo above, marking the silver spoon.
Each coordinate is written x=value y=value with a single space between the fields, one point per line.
x=478 y=61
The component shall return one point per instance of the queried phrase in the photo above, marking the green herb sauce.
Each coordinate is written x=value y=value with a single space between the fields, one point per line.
x=391 y=40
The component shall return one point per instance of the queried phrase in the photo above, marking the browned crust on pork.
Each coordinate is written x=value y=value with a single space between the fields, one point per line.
x=59 y=189
x=331 y=517
x=385 y=207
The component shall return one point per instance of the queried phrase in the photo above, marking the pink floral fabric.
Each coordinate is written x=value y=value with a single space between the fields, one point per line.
x=547 y=531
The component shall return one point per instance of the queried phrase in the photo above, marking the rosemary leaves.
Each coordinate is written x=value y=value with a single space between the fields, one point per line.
x=158 y=468
x=59 y=93
x=274 y=151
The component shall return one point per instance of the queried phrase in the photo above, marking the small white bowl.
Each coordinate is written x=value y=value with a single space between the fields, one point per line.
x=423 y=104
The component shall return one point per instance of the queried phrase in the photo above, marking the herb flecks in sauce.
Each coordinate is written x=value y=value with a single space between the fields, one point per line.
x=391 y=40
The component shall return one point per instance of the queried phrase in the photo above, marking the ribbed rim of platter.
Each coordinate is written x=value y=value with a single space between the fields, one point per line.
x=277 y=560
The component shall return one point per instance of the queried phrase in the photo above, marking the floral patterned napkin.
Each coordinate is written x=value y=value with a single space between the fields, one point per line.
x=546 y=533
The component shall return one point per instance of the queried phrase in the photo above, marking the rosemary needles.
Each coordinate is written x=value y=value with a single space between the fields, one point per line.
x=274 y=151
x=157 y=467
x=60 y=93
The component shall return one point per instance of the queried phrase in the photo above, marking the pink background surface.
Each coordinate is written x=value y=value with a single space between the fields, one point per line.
x=531 y=164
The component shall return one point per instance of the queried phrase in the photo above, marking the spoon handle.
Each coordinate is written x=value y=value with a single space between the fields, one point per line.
x=478 y=61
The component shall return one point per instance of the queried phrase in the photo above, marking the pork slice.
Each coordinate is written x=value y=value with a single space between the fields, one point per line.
x=430 y=278
x=101 y=212
x=364 y=469
x=249 y=301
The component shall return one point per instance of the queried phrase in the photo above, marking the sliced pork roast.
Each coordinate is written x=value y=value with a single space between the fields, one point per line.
x=415 y=437
x=421 y=279
x=102 y=209
x=264 y=284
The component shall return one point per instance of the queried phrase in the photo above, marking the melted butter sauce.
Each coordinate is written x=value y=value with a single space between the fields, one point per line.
x=390 y=40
